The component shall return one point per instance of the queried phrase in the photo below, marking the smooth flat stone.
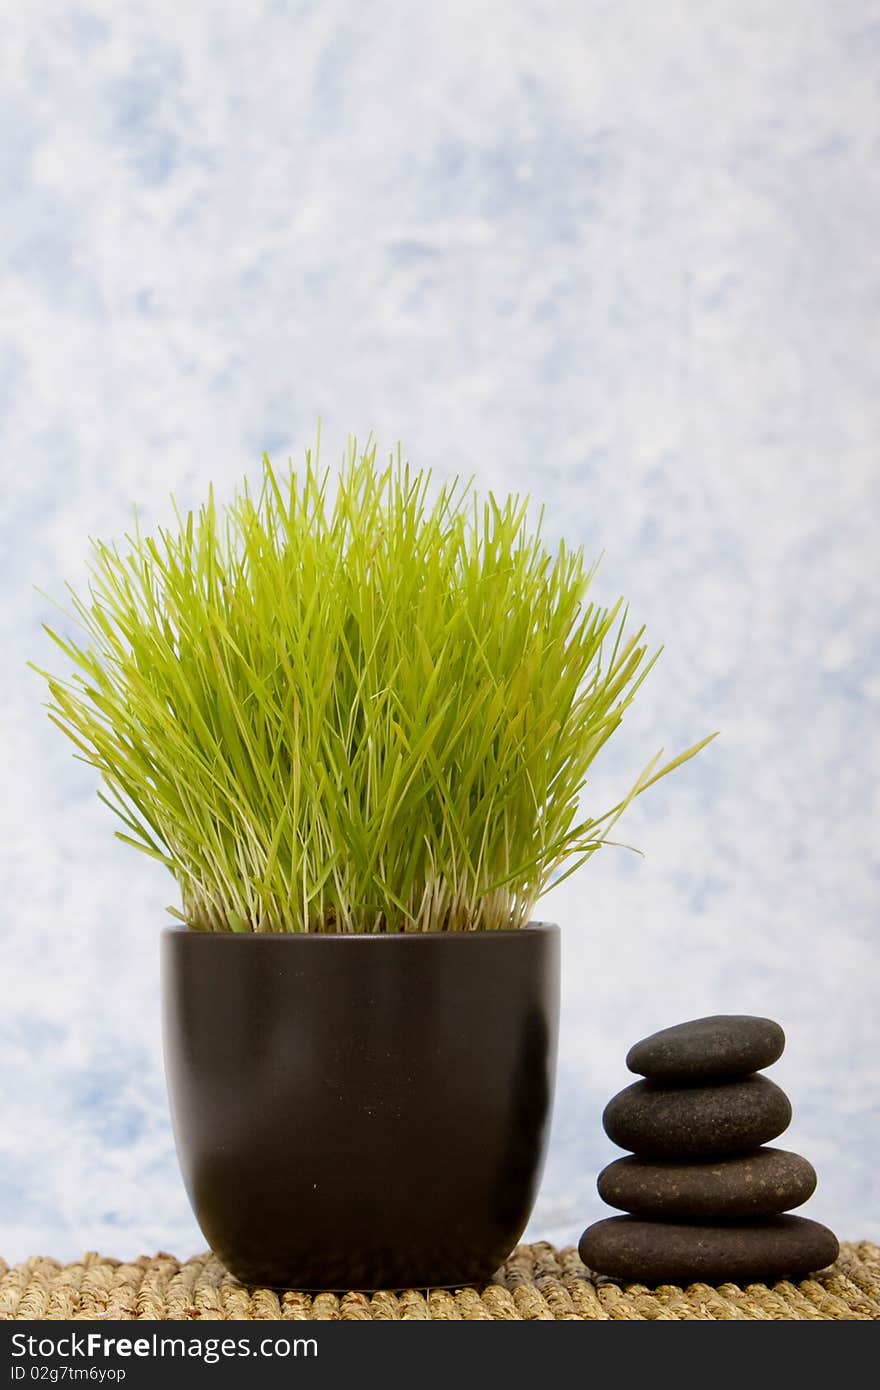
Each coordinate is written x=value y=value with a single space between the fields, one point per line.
x=732 y=1117
x=752 y=1185
x=658 y=1252
x=721 y=1045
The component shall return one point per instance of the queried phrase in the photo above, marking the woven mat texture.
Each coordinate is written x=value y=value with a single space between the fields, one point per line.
x=537 y=1282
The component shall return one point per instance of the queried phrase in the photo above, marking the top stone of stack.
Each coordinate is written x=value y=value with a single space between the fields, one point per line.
x=720 y=1046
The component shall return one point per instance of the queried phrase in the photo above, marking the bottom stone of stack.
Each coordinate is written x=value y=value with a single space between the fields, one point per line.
x=662 y=1252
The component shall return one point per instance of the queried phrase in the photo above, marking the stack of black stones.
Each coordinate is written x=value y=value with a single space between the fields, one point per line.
x=705 y=1198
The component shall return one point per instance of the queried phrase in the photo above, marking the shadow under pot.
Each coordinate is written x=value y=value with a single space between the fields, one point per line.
x=361 y=1111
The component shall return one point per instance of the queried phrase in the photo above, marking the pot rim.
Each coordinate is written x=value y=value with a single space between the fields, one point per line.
x=530 y=928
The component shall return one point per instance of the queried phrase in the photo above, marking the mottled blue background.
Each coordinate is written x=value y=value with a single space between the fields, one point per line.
x=622 y=256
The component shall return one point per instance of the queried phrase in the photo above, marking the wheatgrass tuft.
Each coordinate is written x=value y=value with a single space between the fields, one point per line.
x=371 y=711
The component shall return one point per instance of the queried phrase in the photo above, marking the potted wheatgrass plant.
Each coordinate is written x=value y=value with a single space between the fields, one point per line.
x=355 y=729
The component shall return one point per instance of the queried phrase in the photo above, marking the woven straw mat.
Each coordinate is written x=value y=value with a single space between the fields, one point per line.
x=537 y=1282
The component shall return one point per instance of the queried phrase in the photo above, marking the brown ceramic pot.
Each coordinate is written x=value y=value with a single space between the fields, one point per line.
x=361 y=1111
